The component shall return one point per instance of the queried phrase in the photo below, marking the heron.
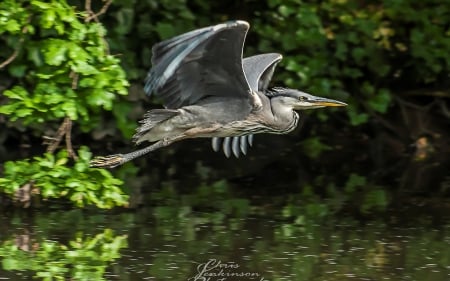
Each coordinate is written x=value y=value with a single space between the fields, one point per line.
x=209 y=90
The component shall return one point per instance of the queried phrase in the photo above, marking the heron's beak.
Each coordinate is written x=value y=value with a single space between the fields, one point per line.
x=328 y=102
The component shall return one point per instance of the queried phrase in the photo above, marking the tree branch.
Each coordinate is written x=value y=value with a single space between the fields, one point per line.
x=64 y=130
x=69 y=146
x=66 y=127
x=56 y=140
x=10 y=59
x=92 y=15
x=14 y=55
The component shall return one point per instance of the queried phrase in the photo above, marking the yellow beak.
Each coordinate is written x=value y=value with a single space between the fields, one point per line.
x=329 y=102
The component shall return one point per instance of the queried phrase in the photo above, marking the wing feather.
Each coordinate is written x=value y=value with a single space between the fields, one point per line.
x=226 y=146
x=198 y=64
x=235 y=146
x=243 y=144
x=259 y=70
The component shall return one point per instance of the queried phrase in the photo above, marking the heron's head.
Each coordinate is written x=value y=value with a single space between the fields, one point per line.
x=299 y=100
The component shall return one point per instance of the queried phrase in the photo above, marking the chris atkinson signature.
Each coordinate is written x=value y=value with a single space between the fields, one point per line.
x=216 y=270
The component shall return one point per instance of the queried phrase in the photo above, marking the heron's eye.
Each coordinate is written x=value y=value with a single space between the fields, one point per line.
x=302 y=98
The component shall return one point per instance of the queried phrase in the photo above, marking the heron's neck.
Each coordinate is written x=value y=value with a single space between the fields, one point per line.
x=284 y=116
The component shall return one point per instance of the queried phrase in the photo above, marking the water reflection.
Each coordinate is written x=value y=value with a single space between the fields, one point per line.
x=176 y=243
x=83 y=258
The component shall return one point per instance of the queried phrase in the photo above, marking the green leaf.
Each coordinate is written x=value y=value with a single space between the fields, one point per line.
x=17 y=70
x=84 y=68
x=164 y=30
x=353 y=182
x=357 y=118
x=18 y=93
x=78 y=54
x=313 y=147
x=34 y=55
x=84 y=153
x=23 y=112
x=381 y=101
x=55 y=51
x=70 y=109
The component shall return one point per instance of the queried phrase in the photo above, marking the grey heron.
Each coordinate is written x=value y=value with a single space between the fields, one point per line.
x=209 y=91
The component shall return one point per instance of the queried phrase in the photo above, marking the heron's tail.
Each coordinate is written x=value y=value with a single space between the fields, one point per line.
x=151 y=119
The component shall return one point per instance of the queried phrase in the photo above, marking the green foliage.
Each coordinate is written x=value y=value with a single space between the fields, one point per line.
x=149 y=22
x=313 y=147
x=122 y=120
x=374 y=198
x=358 y=51
x=358 y=192
x=63 y=66
x=215 y=197
x=84 y=258
x=353 y=182
x=60 y=67
x=53 y=178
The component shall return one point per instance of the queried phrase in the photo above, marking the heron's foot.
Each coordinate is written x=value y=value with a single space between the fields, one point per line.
x=109 y=161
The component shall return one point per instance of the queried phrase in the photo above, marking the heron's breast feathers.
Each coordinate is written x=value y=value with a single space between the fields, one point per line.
x=256 y=100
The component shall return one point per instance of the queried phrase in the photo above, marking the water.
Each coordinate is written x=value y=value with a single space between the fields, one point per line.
x=257 y=219
x=169 y=242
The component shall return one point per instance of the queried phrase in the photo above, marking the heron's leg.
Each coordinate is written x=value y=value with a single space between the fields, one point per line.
x=115 y=160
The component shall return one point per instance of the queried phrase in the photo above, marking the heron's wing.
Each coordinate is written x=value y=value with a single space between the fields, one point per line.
x=232 y=144
x=200 y=63
x=259 y=70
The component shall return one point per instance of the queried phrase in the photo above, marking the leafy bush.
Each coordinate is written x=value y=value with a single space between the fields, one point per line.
x=51 y=177
x=60 y=62
x=59 y=67
x=359 y=50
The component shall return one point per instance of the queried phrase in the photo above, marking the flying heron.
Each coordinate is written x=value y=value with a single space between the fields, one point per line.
x=210 y=91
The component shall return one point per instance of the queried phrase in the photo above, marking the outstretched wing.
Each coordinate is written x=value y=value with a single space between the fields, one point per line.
x=200 y=63
x=258 y=71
